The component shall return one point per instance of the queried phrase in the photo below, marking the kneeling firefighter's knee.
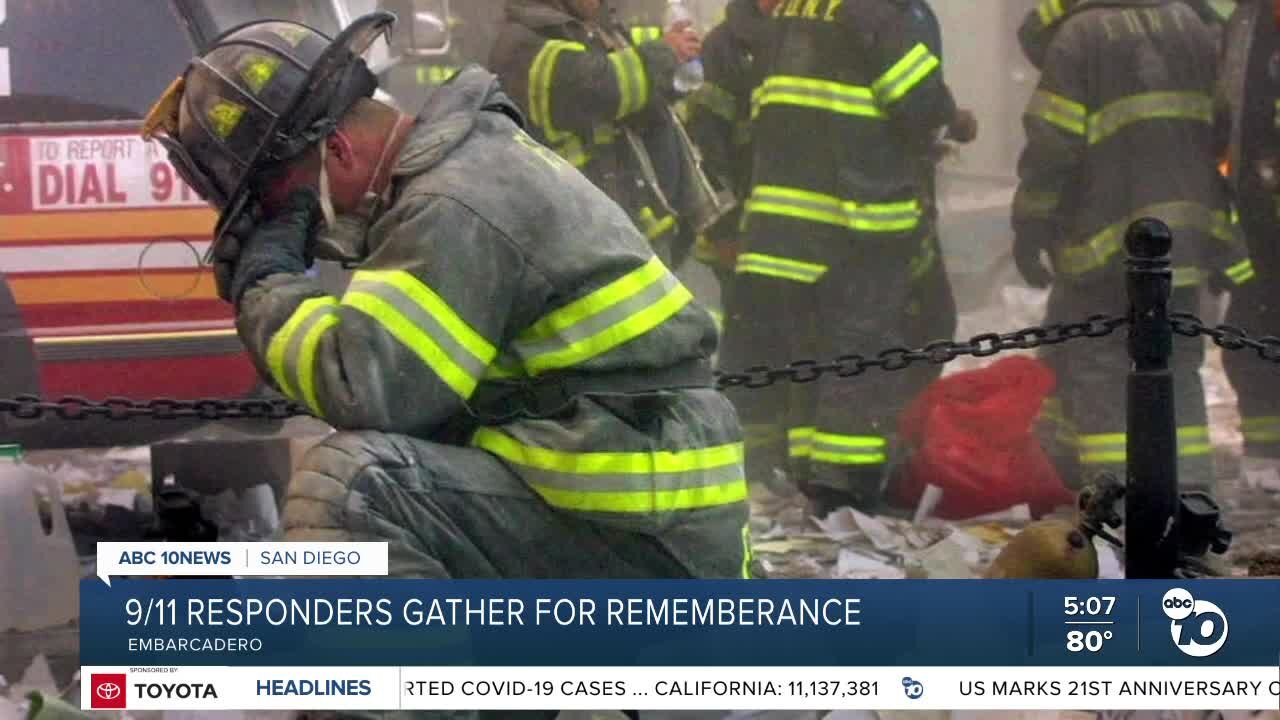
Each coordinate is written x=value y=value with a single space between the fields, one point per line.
x=320 y=491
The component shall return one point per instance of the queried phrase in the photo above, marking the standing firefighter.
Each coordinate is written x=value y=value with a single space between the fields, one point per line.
x=1252 y=84
x=1121 y=127
x=852 y=95
x=598 y=96
x=522 y=386
x=931 y=307
x=425 y=52
x=720 y=118
x=1040 y=24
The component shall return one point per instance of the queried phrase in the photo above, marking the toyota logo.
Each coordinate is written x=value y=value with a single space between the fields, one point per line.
x=107 y=691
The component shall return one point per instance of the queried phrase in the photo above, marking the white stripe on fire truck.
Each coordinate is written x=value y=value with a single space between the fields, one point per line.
x=162 y=255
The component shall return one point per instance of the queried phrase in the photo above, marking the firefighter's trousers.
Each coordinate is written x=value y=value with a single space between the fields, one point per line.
x=459 y=512
x=1255 y=307
x=835 y=433
x=1083 y=425
x=931 y=312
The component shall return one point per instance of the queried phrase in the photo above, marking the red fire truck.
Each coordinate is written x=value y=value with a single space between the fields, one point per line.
x=101 y=288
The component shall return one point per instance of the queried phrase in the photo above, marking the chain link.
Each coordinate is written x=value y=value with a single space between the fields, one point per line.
x=30 y=407
x=74 y=407
x=1227 y=337
x=936 y=353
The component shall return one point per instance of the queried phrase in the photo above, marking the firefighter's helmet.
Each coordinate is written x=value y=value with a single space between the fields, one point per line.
x=261 y=94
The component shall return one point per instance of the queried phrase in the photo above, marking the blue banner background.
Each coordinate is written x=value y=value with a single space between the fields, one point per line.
x=904 y=622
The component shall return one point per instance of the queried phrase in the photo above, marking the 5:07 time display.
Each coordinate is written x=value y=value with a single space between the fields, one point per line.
x=1092 y=605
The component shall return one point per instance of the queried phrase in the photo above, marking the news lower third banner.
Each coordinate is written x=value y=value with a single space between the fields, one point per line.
x=376 y=643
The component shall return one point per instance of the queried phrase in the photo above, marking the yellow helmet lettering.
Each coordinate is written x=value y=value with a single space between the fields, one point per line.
x=257 y=71
x=224 y=116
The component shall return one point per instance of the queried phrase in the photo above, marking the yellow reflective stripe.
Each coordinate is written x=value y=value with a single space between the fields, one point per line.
x=427 y=299
x=1050 y=12
x=1099 y=249
x=800 y=204
x=541 y=78
x=1261 y=429
x=817 y=207
x=607 y=463
x=905 y=75
x=717 y=319
x=717 y=100
x=570 y=148
x=625 y=482
x=1058 y=111
x=1187 y=277
x=423 y=322
x=1103 y=440
x=747 y=553
x=817 y=94
x=435 y=74
x=1121 y=113
x=800 y=441
x=645 y=33
x=290 y=355
x=644 y=501
x=652 y=227
x=633 y=82
x=1110 y=448
x=1241 y=272
x=606 y=318
x=779 y=267
x=922 y=263
x=307 y=361
x=837 y=449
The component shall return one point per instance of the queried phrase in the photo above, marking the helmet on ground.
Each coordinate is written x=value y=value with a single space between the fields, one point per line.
x=261 y=95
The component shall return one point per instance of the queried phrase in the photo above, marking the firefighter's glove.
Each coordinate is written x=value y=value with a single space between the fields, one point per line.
x=275 y=246
x=1028 y=257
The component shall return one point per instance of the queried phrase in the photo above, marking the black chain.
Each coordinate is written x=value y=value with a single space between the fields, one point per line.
x=1227 y=337
x=30 y=407
x=937 y=353
x=73 y=407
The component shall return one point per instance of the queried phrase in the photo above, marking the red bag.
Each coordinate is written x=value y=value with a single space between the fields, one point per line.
x=970 y=434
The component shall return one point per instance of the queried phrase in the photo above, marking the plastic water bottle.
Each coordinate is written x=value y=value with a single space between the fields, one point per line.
x=689 y=76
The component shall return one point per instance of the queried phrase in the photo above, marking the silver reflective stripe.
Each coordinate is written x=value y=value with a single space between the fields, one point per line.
x=591 y=326
x=295 y=380
x=1098 y=250
x=820 y=94
x=633 y=482
x=914 y=67
x=424 y=321
x=768 y=265
x=862 y=214
x=1061 y=112
x=1196 y=107
x=813 y=202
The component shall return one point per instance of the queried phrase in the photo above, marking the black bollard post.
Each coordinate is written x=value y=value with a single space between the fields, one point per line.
x=1151 y=502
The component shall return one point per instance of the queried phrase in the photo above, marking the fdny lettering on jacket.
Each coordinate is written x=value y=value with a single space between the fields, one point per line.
x=824 y=10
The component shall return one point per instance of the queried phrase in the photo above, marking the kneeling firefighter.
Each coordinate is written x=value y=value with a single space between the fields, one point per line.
x=522 y=387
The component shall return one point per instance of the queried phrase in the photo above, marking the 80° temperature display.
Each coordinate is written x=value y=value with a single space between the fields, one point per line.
x=1088 y=622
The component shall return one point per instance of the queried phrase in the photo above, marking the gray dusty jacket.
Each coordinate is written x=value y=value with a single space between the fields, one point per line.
x=500 y=268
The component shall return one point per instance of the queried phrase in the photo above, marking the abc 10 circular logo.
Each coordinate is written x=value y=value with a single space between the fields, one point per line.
x=1199 y=627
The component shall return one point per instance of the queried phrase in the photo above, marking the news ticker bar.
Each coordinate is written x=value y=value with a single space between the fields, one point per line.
x=680 y=688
